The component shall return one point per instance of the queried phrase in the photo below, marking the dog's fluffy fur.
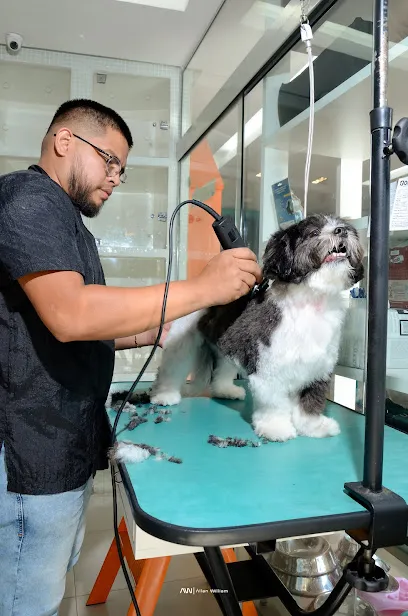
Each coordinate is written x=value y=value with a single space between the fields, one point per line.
x=285 y=342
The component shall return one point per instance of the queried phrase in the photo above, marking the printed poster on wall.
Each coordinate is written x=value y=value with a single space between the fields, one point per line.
x=287 y=206
x=399 y=205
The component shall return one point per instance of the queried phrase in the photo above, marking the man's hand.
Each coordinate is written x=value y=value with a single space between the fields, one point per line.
x=230 y=275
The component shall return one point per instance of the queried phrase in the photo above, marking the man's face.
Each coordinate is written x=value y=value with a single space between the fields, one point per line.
x=88 y=184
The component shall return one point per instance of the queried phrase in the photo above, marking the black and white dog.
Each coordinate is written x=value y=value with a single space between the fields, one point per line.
x=285 y=341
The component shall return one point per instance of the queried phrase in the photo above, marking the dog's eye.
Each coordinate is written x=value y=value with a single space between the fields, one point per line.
x=314 y=233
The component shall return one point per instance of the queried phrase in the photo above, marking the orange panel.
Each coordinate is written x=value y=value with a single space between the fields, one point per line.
x=203 y=244
x=108 y=572
x=150 y=584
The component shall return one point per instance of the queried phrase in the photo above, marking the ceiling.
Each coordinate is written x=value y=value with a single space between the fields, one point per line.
x=110 y=28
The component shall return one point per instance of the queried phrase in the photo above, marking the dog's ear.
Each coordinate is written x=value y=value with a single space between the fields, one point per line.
x=278 y=258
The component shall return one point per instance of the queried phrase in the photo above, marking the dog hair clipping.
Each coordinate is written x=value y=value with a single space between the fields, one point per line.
x=232 y=442
x=128 y=453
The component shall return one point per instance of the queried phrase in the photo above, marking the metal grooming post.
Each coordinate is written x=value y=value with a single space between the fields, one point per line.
x=381 y=124
x=389 y=512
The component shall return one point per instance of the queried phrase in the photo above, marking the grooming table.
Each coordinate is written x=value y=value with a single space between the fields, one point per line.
x=221 y=496
x=231 y=496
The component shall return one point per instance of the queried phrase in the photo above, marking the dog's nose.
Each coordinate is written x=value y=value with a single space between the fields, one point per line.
x=340 y=231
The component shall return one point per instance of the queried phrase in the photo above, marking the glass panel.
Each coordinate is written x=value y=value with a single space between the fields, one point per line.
x=134 y=272
x=29 y=97
x=135 y=217
x=275 y=141
x=237 y=30
x=144 y=103
x=251 y=213
x=9 y=164
x=131 y=231
x=134 y=222
x=213 y=178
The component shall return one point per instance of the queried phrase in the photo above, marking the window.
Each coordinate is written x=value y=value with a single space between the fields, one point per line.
x=211 y=173
x=276 y=123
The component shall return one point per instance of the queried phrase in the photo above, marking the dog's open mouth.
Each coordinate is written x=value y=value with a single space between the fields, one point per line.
x=337 y=254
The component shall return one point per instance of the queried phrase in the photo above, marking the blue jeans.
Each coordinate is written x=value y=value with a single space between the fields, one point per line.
x=40 y=540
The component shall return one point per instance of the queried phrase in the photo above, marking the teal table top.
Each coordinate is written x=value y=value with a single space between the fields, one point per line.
x=220 y=496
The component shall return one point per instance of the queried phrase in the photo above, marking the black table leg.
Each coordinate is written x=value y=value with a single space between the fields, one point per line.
x=223 y=582
x=205 y=568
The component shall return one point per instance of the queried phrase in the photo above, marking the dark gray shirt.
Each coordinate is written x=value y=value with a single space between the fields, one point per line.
x=52 y=394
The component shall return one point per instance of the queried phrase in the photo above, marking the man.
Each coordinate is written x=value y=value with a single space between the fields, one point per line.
x=59 y=325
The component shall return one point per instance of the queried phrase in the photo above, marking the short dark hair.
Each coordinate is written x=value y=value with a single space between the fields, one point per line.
x=93 y=113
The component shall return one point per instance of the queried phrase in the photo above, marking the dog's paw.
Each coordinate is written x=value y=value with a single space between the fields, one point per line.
x=321 y=428
x=166 y=398
x=277 y=428
x=229 y=392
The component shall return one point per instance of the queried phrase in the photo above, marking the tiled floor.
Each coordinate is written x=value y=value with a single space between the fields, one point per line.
x=183 y=571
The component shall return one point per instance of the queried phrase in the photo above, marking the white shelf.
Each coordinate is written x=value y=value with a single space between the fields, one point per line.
x=397 y=379
x=147 y=377
x=139 y=253
x=348 y=138
x=32 y=155
x=351 y=373
x=361 y=224
x=147 y=161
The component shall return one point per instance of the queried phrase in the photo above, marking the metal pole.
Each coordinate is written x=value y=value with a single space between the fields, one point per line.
x=381 y=123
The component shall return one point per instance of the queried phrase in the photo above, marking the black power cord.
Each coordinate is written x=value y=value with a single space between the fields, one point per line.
x=229 y=237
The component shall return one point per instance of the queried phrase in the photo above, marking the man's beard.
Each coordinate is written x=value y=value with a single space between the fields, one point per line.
x=80 y=192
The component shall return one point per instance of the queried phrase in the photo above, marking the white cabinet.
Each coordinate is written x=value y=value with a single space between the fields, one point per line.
x=29 y=97
x=132 y=229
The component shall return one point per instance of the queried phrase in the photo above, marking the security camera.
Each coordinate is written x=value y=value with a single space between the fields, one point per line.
x=14 y=42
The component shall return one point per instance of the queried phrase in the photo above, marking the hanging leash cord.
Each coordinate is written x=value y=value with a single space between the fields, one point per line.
x=307 y=36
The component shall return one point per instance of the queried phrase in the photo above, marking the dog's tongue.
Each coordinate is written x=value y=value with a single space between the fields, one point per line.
x=334 y=256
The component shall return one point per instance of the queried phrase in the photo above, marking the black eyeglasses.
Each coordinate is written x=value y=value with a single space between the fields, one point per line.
x=113 y=164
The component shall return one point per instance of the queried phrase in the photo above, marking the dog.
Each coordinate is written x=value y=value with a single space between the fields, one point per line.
x=285 y=342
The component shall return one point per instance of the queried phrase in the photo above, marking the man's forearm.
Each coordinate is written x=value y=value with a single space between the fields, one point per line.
x=116 y=312
x=138 y=340
x=73 y=311
x=122 y=344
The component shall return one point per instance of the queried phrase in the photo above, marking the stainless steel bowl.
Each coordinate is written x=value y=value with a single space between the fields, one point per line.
x=346 y=550
x=311 y=587
x=306 y=557
x=352 y=606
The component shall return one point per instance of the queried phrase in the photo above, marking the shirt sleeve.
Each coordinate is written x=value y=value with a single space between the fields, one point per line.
x=37 y=227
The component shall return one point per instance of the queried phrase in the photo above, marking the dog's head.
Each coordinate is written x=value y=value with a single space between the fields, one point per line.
x=318 y=243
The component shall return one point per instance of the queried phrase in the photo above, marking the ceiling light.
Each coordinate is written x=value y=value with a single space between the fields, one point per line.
x=319 y=180
x=172 y=5
x=258 y=175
